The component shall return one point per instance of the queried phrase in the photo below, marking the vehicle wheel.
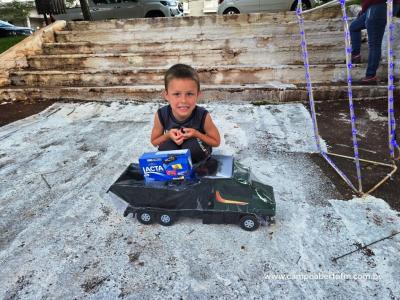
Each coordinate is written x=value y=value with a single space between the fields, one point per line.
x=166 y=219
x=145 y=217
x=231 y=11
x=249 y=223
x=305 y=5
x=154 y=14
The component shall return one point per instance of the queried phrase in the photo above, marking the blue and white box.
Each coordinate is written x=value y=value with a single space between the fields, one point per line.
x=166 y=165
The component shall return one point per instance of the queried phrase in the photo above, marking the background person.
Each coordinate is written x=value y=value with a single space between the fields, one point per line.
x=372 y=17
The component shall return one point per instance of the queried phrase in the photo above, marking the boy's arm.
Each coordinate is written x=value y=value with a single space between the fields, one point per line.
x=157 y=133
x=211 y=137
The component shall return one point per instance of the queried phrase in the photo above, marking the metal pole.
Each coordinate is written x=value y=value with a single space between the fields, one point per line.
x=299 y=13
x=391 y=118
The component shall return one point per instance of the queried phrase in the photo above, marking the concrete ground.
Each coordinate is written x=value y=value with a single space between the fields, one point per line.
x=60 y=236
x=372 y=125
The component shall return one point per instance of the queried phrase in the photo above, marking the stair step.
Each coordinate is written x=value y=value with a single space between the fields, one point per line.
x=273 y=56
x=179 y=33
x=271 y=93
x=254 y=57
x=199 y=21
x=188 y=22
x=262 y=41
x=204 y=25
x=232 y=74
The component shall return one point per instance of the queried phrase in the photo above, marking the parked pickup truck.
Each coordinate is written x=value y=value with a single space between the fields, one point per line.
x=222 y=192
x=125 y=9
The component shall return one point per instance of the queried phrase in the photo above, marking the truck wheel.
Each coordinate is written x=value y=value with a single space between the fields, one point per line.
x=145 y=217
x=166 y=219
x=231 y=11
x=249 y=223
x=154 y=14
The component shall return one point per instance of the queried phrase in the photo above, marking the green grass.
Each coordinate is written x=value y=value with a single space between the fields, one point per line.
x=8 y=42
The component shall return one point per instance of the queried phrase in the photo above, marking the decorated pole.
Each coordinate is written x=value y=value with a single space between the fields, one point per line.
x=303 y=43
x=349 y=66
x=391 y=123
x=391 y=118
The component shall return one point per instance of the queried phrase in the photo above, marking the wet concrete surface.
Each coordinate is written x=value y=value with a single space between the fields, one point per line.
x=10 y=112
x=335 y=128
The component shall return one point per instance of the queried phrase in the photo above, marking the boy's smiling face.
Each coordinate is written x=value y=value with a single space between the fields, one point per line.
x=182 y=95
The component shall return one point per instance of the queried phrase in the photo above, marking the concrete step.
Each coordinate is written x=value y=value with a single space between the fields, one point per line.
x=183 y=33
x=268 y=93
x=231 y=74
x=188 y=22
x=242 y=56
x=199 y=21
x=262 y=41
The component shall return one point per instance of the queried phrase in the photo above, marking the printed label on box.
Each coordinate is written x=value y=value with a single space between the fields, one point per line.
x=166 y=165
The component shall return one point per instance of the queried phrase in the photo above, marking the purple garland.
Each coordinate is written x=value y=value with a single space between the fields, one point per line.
x=349 y=66
x=391 y=118
x=299 y=13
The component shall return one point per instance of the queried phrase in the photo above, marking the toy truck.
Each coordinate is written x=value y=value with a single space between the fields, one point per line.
x=221 y=192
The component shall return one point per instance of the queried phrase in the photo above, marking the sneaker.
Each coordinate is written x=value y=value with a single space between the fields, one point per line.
x=370 y=80
x=356 y=59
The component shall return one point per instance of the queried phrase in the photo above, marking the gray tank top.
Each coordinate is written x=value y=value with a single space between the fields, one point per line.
x=195 y=120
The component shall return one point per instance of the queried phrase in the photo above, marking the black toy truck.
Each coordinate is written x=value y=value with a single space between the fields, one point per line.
x=223 y=192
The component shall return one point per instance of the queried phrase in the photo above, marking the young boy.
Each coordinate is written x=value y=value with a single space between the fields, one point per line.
x=182 y=124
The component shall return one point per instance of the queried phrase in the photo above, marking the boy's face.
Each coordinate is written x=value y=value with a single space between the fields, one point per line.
x=182 y=95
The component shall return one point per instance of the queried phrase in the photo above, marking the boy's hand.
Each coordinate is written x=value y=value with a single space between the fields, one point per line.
x=188 y=133
x=176 y=135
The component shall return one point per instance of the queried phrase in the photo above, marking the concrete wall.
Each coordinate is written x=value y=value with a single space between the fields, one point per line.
x=15 y=57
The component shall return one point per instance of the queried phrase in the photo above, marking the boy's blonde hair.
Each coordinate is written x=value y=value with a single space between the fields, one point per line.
x=181 y=71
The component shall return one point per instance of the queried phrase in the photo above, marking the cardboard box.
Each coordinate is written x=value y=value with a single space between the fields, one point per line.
x=166 y=165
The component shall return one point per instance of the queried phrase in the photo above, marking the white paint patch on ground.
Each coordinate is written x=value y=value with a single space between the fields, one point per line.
x=61 y=238
x=344 y=117
x=375 y=116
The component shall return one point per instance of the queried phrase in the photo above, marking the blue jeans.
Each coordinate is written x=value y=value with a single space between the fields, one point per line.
x=374 y=20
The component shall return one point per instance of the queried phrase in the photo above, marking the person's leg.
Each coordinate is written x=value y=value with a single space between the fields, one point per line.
x=45 y=19
x=198 y=150
x=376 y=24
x=168 y=145
x=355 y=34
